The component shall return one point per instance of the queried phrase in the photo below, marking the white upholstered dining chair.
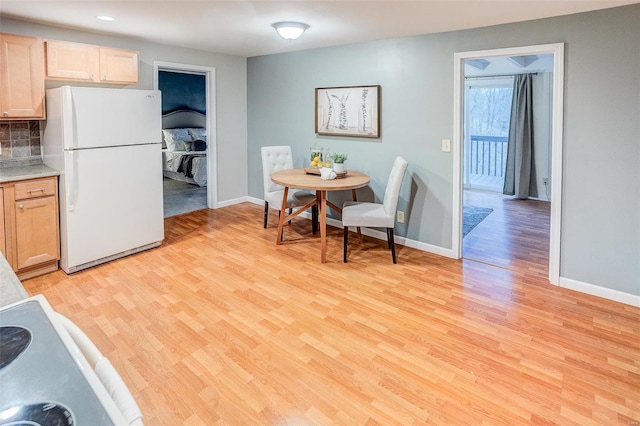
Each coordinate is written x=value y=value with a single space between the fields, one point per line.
x=375 y=215
x=276 y=158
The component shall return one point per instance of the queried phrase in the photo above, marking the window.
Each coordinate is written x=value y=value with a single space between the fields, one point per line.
x=487 y=115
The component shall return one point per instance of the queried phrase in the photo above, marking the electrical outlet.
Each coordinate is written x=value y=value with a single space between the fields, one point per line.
x=545 y=181
x=400 y=217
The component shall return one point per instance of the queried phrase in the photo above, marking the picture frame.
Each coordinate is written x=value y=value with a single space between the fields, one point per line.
x=348 y=111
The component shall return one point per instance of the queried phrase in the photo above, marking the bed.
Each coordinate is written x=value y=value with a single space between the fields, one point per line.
x=184 y=147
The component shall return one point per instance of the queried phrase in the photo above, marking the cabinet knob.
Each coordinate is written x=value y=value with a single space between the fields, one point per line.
x=21 y=206
x=5 y=113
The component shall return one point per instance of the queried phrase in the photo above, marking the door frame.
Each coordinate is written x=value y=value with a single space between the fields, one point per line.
x=210 y=88
x=557 y=135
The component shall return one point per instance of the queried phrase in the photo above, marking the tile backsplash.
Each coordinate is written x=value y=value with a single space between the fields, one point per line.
x=19 y=139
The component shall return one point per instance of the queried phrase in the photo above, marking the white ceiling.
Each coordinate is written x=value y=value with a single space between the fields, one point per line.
x=243 y=28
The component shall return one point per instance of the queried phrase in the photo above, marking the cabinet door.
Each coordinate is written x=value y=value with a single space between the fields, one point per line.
x=3 y=239
x=21 y=77
x=72 y=61
x=118 y=65
x=36 y=231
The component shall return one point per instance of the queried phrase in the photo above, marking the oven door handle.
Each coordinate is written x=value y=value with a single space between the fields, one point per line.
x=119 y=392
x=108 y=375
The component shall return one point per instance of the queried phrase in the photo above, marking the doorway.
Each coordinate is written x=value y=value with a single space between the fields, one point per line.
x=462 y=138
x=209 y=124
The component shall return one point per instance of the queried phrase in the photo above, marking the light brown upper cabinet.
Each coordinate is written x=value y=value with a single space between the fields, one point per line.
x=72 y=61
x=118 y=65
x=84 y=62
x=21 y=77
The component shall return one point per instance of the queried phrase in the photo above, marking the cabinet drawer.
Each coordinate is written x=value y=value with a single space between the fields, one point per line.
x=35 y=188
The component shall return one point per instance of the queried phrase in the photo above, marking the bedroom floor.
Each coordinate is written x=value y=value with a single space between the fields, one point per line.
x=182 y=197
x=515 y=236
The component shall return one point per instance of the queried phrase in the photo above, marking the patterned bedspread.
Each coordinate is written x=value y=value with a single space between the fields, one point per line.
x=191 y=164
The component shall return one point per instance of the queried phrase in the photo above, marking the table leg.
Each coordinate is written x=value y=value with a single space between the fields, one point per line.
x=283 y=214
x=355 y=198
x=323 y=226
x=318 y=208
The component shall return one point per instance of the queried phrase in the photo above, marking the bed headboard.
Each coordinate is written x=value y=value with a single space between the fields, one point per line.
x=183 y=118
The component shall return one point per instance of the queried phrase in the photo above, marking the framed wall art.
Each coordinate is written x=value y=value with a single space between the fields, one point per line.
x=348 y=111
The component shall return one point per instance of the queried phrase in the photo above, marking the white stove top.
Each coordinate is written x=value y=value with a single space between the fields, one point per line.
x=43 y=375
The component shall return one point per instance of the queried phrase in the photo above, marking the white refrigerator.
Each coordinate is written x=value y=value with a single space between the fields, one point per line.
x=106 y=143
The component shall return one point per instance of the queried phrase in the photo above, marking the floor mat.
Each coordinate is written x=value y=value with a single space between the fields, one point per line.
x=472 y=216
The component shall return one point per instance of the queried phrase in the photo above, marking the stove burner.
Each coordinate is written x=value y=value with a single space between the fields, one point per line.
x=43 y=414
x=13 y=341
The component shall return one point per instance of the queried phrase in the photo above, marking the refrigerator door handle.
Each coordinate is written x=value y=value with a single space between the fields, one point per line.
x=70 y=178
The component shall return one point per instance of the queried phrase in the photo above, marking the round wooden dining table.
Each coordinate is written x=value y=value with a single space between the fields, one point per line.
x=300 y=179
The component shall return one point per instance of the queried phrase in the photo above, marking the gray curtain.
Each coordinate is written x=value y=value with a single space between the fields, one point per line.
x=520 y=173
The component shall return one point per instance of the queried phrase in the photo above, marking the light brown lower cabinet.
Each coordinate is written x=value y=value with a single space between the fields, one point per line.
x=3 y=239
x=31 y=226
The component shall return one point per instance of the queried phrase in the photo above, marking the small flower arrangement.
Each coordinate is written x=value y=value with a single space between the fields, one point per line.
x=339 y=158
x=338 y=162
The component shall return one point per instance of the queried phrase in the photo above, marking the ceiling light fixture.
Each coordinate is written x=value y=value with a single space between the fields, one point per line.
x=105 y=18
x=290 y=30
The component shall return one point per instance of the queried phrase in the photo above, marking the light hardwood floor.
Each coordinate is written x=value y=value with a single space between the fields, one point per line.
x=514 y=236
x=221 y=326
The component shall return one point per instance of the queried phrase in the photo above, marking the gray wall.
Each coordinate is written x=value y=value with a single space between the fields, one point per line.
x=542 y=94
x=601 y=188
x=230 y=92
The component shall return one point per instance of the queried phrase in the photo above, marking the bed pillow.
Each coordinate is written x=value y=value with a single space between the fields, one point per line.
x=174 y=139
x=199 y=145
x=198 y=133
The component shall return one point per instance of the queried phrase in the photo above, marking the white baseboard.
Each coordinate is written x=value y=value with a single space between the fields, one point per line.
x=231 y=202
x=255 y=200
x=407 y=242
x=429 y=248
x=605 y=293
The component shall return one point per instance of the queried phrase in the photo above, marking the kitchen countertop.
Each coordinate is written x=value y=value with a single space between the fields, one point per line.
x=20 y=170
x=11 y=290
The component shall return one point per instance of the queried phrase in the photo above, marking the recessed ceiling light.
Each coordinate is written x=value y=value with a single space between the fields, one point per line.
x=105 y=18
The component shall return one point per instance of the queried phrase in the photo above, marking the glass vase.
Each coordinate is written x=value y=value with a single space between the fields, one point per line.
x=316 y=157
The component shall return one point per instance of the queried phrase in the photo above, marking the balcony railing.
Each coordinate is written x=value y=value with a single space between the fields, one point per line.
x=487 y=158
